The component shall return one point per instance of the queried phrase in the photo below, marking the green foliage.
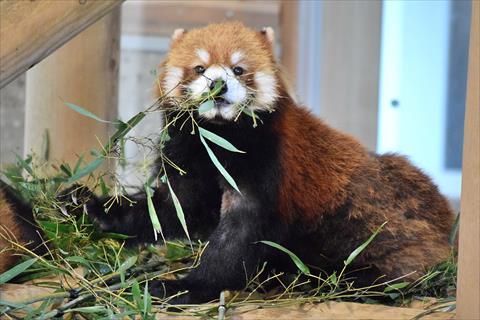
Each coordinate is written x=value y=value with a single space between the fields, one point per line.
x=15 y=271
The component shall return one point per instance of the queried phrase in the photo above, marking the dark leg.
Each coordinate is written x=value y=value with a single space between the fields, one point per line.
x=200 y=205
x=232 y=256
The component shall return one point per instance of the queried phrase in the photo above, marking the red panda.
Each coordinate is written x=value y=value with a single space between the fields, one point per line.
x=16 y=225
x=308 y=187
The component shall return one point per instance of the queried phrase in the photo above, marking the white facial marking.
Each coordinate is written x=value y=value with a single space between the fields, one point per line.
x=203 y=55
x=237 y=56
x=235 y=95
x=171 y=82
x=266 y=90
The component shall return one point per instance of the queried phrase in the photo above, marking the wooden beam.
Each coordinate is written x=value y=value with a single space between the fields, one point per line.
x=31 y=30
x=468 y=292
x=84 y=72
x=350 y=67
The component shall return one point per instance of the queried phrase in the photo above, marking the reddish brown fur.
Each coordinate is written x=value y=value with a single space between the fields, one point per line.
x=326 y=171
x=182 y=53
x=9 y=229
x=318 y=163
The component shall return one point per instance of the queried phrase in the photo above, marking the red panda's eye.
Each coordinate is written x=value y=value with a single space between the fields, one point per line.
x=199 y=69
x=238 y=71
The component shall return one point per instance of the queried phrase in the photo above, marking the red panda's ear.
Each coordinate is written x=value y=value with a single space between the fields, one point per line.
x=178 y=34
x=269 y=35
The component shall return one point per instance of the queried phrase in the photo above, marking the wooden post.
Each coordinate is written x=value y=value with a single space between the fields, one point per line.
x=468 y=292
x=84 y=72
x=350 y=67
x=289 y=38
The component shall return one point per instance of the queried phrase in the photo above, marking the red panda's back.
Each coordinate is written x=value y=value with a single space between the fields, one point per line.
x=317 y=164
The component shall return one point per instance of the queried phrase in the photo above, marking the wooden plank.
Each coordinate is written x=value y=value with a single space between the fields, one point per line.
x=17 y=293
x=350 y=63
x=160 y=18
x=31 y=30
x=289 y=39
x=84 y=72
x=468 y=293
x=333 y=311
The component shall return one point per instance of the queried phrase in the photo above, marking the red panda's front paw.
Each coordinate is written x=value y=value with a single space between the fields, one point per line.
x=75 y=200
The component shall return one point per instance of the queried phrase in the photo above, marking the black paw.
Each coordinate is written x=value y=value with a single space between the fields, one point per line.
x=76 y=195
x=79 y=199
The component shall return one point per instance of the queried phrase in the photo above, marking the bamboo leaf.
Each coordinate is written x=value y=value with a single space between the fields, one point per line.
x=13 y=305
x=80 y=260
x=216 y=88
x=217 y=164
x=127 y=264
x=252 y=114
x=66 y=169
x=93 y=309
x=218 y=140
x=78 y=164
x=124 y=127
x=396 y=286
x=89 y=168
x=104 y=188
x=147 y=300
x=362 y=247
x=176 y=252
x=136 y=294
x=157 y=228
x=333 y=278
x=206 y=106
x=300 y=265
x=15 y=271
x=85 y=112
x=179 y=210
x=25 y=164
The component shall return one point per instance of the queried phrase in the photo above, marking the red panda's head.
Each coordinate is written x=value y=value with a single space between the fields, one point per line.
x=241 y=58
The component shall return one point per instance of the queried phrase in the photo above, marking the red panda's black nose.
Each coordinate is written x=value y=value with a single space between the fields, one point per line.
x=224 y=87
